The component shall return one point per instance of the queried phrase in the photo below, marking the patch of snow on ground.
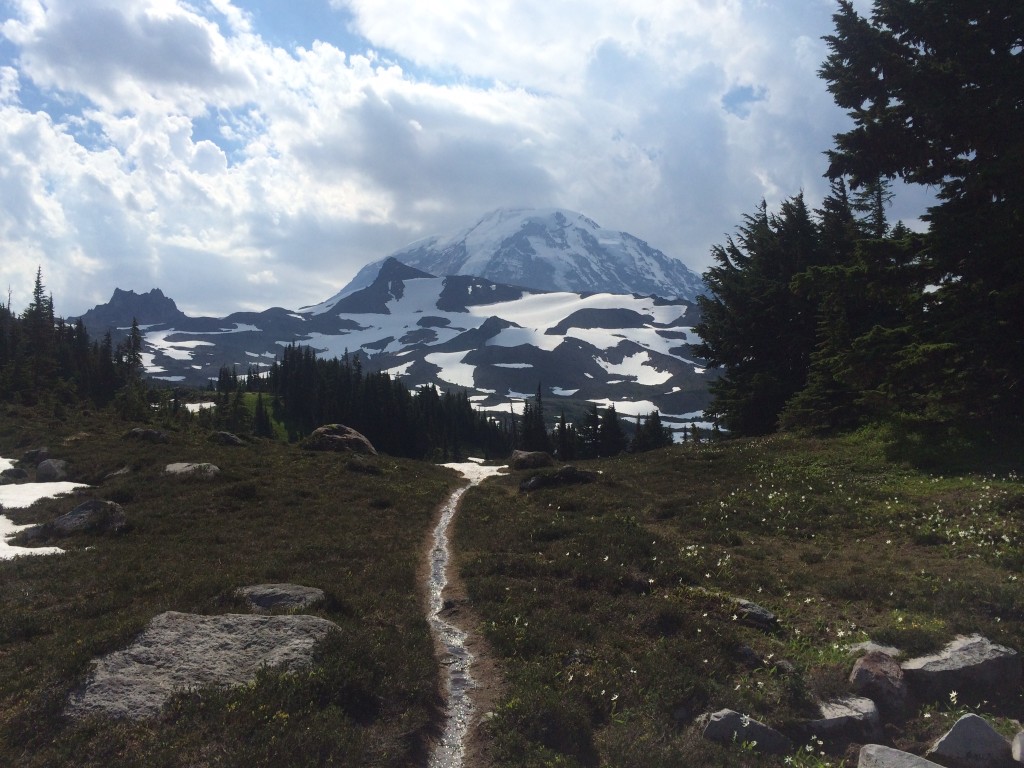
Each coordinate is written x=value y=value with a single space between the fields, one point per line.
x=26 y=494
x=7 y=551
x=559 y=392
x=453 y=370
x=21 y=496
x=474 y=469
x=196 y=407
x=513 y=365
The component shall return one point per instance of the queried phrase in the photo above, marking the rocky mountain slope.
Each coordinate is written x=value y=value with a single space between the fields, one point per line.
x=496 y=340
x=549 y=249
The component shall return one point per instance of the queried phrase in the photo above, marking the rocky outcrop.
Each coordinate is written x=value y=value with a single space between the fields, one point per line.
x=972 y=743
x=180 y=651
x=567 y=475
x=530 y=460
x=973 y=666
x=338 y=437
x=227 y=438
x=730 y=727
x=52 y=471
x=200 y=470
x=289 y=597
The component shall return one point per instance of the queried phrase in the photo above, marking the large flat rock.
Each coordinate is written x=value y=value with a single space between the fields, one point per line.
x=181 y=651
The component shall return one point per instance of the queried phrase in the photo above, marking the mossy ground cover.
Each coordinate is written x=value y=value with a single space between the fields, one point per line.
x=609 y=605
x=356 y=528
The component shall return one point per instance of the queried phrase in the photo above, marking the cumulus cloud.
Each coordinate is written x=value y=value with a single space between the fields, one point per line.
x=169 y=143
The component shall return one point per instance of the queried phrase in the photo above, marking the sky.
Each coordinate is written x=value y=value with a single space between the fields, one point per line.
x=243 y=154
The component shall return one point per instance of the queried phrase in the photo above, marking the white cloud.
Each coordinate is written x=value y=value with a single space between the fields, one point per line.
x=161 y=143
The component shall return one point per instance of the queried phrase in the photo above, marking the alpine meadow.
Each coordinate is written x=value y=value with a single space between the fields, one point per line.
x=530 y=494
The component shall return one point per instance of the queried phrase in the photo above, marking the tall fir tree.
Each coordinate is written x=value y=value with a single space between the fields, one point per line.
x=934 y=93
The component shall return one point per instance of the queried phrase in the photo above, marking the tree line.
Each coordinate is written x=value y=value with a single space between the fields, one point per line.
x=46 y=358
x=43 y=356
x=832 y=318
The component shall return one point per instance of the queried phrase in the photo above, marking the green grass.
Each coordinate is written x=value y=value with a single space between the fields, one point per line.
x=610 y=607
x=607 y=606
x=355 y=528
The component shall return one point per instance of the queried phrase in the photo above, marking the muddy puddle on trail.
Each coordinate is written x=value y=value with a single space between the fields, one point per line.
x=457 y=660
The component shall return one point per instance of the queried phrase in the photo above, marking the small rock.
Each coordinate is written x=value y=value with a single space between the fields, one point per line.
x=852 y=717
x=147 y=435
x=192 y=470
x=755 y=615
x=530 y=460
x=972 y=666
x=784 y=666
x=728 y=726
x=226 y=438
x=877 y=756
x=35 y=456
x=879 y=677
x=567 y=475
x=13 y=475
x=870 y=645
x=972 y=743
x=267 y=597
x=52 y=471
x=94 y=516
x=748 y=657
x=338 y=437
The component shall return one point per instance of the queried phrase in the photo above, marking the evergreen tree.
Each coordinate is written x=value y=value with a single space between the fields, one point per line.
x=589 y=433
x=565 y=439
x=754 y=324
x=534 y=434
x=650 y=435
x=934 y=92
x=611 y=438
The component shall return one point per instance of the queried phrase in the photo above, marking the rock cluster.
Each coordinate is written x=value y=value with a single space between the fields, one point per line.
x=886 y=690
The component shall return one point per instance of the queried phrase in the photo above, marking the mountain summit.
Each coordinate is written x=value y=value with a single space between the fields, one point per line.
x=550 y=249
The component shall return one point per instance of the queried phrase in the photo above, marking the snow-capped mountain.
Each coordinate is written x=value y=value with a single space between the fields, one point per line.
x=549 y=249
x=497 y=341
